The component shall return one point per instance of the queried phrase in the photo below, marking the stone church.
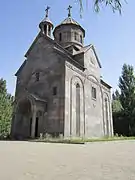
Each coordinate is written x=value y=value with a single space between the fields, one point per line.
x=59 y=89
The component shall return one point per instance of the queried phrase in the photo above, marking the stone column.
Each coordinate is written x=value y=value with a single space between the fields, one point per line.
x=111 y=120
x=33 y=124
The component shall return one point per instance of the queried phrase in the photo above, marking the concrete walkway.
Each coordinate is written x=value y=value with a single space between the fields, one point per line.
x=93 y=161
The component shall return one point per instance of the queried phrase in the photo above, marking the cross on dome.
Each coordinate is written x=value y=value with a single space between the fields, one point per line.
x=47 y=11
x=69 y=11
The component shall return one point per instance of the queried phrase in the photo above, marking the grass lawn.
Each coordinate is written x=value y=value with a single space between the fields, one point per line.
x=81 y=140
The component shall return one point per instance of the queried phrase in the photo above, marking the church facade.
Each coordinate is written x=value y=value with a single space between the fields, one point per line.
x=59 y=89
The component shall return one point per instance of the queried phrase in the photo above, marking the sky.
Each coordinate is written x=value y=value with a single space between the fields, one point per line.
x=113 y=35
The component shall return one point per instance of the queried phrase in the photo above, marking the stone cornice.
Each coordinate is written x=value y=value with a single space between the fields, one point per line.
x=86 y=76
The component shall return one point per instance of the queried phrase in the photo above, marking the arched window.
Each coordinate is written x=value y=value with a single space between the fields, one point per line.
x=54 y=91
x=49 y=30
x=81 y=39
x=94 y=93
x=60 y=37
x=37 y=76
x=77 y=109
x=46 y=107
x=45 y=29
x=76 y=36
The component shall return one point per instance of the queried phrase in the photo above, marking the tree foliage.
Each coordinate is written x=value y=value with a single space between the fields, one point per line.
x=124 y=103
x=116 y=5
x=127 y=87
x=116 y=104
x=5 y=109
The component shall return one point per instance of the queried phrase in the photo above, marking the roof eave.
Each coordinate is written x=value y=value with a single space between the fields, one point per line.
x=96 y=55
x=105 y=84
x=27 y=53
x=21 y=67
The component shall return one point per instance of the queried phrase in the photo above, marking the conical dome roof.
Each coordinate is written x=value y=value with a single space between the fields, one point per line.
x=46 y=20
x=70 y=21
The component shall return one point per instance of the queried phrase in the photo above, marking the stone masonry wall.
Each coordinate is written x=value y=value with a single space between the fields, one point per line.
x=50 y=65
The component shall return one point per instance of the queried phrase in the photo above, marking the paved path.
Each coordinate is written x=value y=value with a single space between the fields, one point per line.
x=93 y=161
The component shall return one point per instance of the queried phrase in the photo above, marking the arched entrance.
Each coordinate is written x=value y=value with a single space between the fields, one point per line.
x=24 y=118
x=28 y=119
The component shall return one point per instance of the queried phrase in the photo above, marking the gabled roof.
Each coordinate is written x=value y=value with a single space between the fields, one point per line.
x=31 y=95
x=67 y=53
x=21 y=67
x=46 y=37
x=59 y=48
x=69 y=57
x=35 y=40
x=72 y=45
x=93 y=48
x=85 y=49
x=37 y=98
x=72 y=48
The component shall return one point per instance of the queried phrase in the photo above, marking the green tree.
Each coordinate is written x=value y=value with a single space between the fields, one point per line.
x=116 y=104
x=5 y=109
x=120 y=128
x=127 y=96
x=116 y=95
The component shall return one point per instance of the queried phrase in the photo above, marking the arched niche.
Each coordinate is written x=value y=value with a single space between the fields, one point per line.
x=107 y=114
x=77 y=119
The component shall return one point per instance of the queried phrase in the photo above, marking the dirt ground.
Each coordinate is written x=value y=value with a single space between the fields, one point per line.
x=92 y=161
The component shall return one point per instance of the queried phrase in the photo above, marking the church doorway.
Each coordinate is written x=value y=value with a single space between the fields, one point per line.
x=36 y=127
x=24 y=120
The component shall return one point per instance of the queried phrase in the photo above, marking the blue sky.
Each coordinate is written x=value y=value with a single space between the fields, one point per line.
x=113 y=35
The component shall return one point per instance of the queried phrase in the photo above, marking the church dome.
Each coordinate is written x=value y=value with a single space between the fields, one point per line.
x=46 y=20
x=46 y=25
x=69 y=32
x=70 y=21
